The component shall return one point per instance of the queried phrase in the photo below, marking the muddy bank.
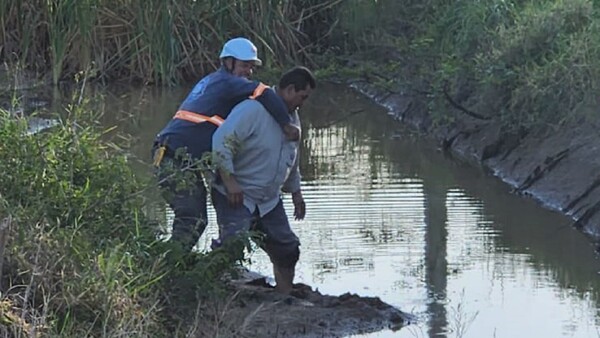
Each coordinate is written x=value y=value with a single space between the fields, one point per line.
x=560 y=168
x=253 y=309
x=308 y=313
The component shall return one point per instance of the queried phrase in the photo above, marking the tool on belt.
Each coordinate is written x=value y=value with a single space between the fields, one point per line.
x=159 y=153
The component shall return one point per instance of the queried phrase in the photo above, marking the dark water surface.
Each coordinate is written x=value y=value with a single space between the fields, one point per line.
x=390 y=216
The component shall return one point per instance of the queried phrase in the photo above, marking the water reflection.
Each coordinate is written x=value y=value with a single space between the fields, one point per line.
x=392 y=217
x=436 y=264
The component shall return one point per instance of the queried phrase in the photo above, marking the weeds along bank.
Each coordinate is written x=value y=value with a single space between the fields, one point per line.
x=520 y=64
x=77 y=248
x=81 y=256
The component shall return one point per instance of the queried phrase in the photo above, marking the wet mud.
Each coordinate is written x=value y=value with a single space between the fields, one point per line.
x=306 y=312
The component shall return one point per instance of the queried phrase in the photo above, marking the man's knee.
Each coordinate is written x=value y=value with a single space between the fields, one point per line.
x=189 y=223
x=187 y=230
x=286 y=257
x=192 y=206
x=188 y=212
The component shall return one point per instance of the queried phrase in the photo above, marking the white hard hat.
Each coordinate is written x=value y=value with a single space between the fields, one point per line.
x=241 y=49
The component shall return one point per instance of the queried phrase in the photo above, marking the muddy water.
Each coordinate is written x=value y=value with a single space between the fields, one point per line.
x=390 y=216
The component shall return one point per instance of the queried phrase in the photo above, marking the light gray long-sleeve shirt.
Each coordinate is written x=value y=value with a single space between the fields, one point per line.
x=251 y=146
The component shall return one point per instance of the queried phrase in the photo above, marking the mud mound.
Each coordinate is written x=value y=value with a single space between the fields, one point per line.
x=308 y=313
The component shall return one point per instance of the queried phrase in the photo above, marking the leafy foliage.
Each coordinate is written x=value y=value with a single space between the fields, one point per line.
x=518 y=63
x=82 y=256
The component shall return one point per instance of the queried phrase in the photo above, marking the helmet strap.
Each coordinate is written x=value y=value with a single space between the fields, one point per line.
x=227 y=65
x=233 y=60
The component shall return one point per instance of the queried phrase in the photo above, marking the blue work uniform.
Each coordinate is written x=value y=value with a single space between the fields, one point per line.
x=206 y=106
x=216 y=94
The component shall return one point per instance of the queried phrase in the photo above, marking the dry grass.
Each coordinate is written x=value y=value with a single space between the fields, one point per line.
x=152 y=41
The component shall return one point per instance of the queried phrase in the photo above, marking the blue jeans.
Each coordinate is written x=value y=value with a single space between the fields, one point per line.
x=280 y=242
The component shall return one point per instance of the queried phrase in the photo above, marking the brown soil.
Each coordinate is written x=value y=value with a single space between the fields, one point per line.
x=256 y=310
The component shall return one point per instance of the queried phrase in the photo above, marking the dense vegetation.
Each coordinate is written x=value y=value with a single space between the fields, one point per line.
x=518 y=63
x=154 y=41
x=81 y=254
x=78 y=249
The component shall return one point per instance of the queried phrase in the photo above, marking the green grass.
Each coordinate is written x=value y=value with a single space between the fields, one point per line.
x=82 y=255
x=521 y=64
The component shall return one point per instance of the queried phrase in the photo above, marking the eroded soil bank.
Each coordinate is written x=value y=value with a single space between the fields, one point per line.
x=254 y=309
x=559 y=167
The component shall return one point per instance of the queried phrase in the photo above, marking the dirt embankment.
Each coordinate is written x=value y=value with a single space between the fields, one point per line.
x=560 y=168
x=254 y=309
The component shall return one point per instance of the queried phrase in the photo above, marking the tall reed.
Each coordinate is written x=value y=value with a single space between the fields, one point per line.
x=153 y=41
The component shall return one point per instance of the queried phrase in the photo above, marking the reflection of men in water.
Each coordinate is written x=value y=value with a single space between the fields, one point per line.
x=190 y=132
x=256 y=162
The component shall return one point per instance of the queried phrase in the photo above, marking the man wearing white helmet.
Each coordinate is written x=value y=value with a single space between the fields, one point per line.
x=240 y=56
x=181 y=144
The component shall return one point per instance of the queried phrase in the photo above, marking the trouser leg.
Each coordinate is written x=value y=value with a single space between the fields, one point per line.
x=233 y=222
x=280 y=242
x=189 y=207
x=282 y=246
x=188 y=204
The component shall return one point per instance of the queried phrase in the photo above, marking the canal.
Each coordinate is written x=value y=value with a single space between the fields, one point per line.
x=390 y=216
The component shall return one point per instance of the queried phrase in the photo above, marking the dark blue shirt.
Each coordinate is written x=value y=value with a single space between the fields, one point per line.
x=216 y=94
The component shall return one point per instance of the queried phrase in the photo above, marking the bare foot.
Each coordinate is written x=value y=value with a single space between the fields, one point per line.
x=284 y=290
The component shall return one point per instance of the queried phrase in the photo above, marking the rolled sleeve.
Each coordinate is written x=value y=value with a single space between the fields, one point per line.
x=292 y=183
